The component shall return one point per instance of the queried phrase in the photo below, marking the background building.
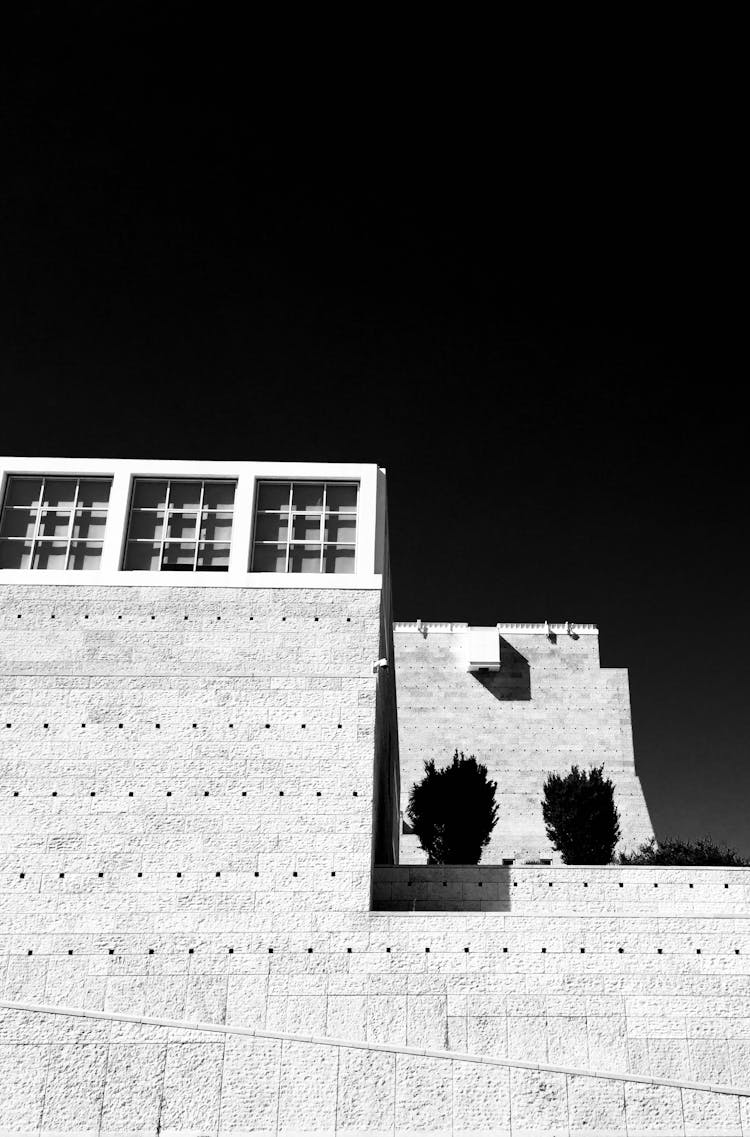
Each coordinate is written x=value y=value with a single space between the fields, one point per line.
x=200 y=837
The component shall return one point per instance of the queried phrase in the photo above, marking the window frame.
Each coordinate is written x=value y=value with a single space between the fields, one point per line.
x=164 y=541
x=289 y=512
x=38 y=541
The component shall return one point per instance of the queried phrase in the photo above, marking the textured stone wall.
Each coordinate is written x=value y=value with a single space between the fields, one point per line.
x=149 y=865
x=551 y=705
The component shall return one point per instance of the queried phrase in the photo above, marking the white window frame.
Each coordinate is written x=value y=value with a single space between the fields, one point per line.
x=165 y=540
x=37 y=541
x=290 y=541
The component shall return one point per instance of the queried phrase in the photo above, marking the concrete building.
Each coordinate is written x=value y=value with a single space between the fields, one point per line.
x=204 y=924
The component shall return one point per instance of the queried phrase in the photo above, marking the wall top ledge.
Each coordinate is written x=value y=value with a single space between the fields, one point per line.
x=540 y=629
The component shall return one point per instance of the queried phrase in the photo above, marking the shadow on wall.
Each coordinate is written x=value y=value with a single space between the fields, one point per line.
x=513 y=681
x=443 y=888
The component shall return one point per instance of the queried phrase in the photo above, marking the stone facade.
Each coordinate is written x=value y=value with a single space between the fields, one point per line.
x=203 y=930
x=549 y=705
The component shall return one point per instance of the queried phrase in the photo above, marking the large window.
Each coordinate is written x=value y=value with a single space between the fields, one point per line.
x=305 y=527
x=180 y=526
x=53 y=523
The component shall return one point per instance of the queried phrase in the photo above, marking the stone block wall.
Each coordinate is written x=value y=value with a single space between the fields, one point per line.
x=150 y=867
x=548 y=707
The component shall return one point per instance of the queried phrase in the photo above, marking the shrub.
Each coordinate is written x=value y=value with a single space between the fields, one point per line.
x=580 y=816
x=453 y=811
x=674 y=851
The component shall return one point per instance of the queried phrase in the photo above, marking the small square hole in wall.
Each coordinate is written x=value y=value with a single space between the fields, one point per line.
x=317 y=793
x=15 y=793
x=736 y=951
x=466 y=949
x=119 y=726
x=697 y=951
x=101 y=874
x=515 y=884
x=355 y=794
x=333 y=874
x=256 y=874
x=54 y=793
x=140 y=874
x=270 y=951
x=205 y=793
x=726 y=886
x=70 y=951
x=281 y=793
x=427 y=949
x=179 y=874
x=93 y=793
x=620 y=884
x=244 y=793
x=46 y=726
x=111 y=951
x=348 y=951
x=621 y=950
x=231 y=950
x=30 y=952
x=130 y=793
x=231 y=726
x=150 y=951
x=268 y=726
x=544 y=951
x=191 y=951
x=62 y=875
x=690 y=886
x=195 y=725
x=294 y=874
x=309 y=951
x=660 y=951
x=22 y=875
x=583 y=951
x=169 y=793
x=218 y=874
x=338 y=726
x=388 y=950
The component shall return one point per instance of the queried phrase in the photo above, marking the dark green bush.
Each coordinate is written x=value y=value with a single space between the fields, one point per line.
x=580 y=816
x=453 y=812
x=674 y=851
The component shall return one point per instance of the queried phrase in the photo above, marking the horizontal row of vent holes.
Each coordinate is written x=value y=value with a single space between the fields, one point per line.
x=22 y=875
x=283 y=619
x=206 y=793
x=157 y=725
x=230 y=951
x=409 y=883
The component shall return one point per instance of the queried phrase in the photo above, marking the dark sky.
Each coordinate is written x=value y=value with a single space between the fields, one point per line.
x=518 y=299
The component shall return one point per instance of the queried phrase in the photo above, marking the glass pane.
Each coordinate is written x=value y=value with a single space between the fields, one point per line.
x=340 y=497
x=341 y=529
x=272 y=527
x=307 y=495
x=14 y=555
x=178 y=556
x=273 y=495
x=59 y=493
x=218 y=495
x=182 y=526
x=85 y=555
x=146 y=526
x=338 y=560
x=142 y=557
x=216 y=527
x=185 y=495
x=49 y=555
x=91 y=525
x=149 y=495
x=54 y=524
x=304 y=558
x=23 y=491
x=306 y=527
x=269 y=558
x=93 y=494
x=18 y=523
x=213 y=558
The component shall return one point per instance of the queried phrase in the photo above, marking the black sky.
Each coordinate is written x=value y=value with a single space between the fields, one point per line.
x=519 y=300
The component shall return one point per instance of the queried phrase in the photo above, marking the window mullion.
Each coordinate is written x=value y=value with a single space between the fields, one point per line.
x=321 y=534
x=38 y=522
x=71 y=523
x=198 y=527
x=289 y=526
x=165 y=526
